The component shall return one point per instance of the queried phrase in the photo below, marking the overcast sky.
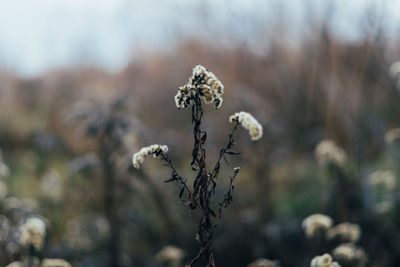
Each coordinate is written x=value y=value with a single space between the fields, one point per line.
x=36 y=35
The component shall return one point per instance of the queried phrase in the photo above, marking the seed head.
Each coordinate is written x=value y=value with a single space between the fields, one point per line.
x=249 y=123
x=203 y=82
x=155 y=150
x=313 y=223
x=324 y=261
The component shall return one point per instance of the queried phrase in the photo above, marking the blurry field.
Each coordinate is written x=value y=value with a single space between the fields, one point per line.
x=322 y=88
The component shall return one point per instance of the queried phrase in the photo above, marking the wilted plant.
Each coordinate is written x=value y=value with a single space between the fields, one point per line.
x=203 y=85
x=108 y=125
x=344 y=201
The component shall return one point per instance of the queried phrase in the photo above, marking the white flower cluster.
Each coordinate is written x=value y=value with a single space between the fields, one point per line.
x=261 y=262
x=171 y=255
x=348 y=253
x=54 y=263
x=383 y=207
x=394 y=71
x=324 y=261
x=315 y=223
x=156 y=150
x=15 y=264
x=3 y=191
x=205 y=83
x=249 y=123
x=392 y=135
x=328 y=152
x=384 y=179
x=33 y=232
x=346 y=232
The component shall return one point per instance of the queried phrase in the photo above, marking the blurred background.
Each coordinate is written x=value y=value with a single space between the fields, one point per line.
x=85 y=84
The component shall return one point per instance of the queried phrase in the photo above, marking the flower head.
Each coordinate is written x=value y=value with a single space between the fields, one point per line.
x=33 y=232
x=346 y=232
x=328 y=152
x=171 y=255
x=261 y=262
x=348 y=253
x=384 y=179
x=249 y=123
x=154 y=150
x=394 y=69
x=203 y=82
x=392 y=135
x=55 y=263
x=15 y=264
x=324 y=261
x=313 y=223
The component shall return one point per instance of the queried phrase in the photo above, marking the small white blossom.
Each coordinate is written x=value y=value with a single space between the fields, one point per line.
x=346 y=232
x=249 y=123
x=384 y=179
x=154 y=150
x=15 y=264
x=54 y=263
x=324 y=261
x=392 y=135
x=394 y=69
x=348 y=253
x=171 y=255
x=328 y=152
x=203 y=82
x=383 y=207
x=316 y=222
x=33 y=232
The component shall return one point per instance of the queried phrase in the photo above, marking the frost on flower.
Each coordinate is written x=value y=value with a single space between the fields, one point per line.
x=350 y=254
x=261 y=262
x=324 y=261
x=315 y=223
x=154 y=150
x=346 y=232
x=328 y=152
x=203 y=82
x=33 y=232
x=384 y=179
x=249 y=123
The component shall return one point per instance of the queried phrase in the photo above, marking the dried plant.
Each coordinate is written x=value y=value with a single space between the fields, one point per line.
x=203 y=86
x=108 y=126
